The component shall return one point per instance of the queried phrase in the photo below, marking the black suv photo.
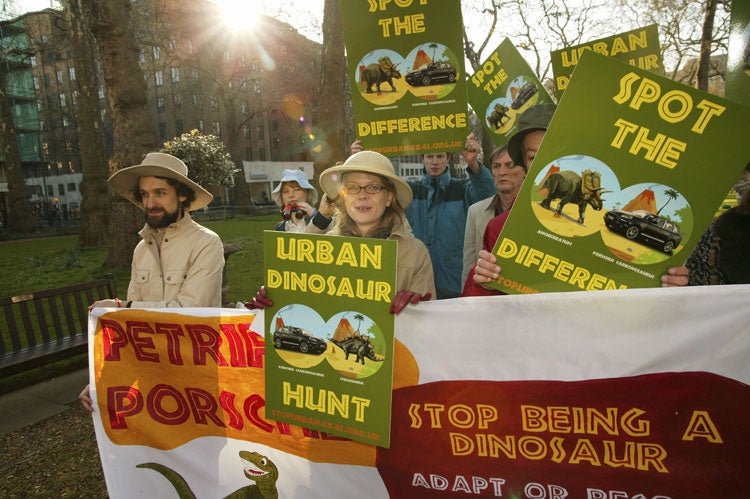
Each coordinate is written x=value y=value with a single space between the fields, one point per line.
x=430 y=73
x=641 y=225
x=523 y=95
x=290 y=337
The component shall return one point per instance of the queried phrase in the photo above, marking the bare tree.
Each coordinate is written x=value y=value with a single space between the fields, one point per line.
x=95 y=203
x=334 y=95
x=112 y=26
x=20 y=217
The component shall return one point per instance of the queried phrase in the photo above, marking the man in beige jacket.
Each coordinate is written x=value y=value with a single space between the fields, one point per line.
x=178 y=262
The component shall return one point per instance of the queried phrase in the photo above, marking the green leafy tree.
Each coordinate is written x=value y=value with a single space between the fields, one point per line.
x=208 y=162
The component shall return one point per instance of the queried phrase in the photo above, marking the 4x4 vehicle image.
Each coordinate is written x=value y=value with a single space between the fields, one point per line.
x=431 y=73
x=524 y=94
x=290 y=337
x=644 y=226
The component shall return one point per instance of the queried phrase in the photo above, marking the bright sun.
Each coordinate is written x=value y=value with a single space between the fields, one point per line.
x=239 y=15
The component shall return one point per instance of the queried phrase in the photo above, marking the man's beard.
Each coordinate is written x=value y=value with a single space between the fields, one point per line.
x=165 y=220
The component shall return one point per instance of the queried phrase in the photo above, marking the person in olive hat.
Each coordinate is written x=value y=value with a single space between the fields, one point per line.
x=178 y=263
x=522 y=148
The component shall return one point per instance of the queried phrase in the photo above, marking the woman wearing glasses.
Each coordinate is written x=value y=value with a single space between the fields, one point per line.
x=371 y=199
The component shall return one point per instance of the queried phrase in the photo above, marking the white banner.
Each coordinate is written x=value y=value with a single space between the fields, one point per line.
x=592 y=394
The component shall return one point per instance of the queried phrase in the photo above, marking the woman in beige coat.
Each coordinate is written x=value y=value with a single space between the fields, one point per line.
x=371 y=199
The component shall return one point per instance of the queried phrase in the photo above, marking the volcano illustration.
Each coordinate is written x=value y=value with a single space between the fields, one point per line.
x=421 y=59
x=646 y=200
x=543 y=190
x=343 y=331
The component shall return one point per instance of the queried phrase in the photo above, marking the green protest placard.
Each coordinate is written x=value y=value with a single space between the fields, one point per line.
x=639 y=47
x=329 y=333
x=625 y=182
x=406 y=72
x=738 y=58
x=502 y=89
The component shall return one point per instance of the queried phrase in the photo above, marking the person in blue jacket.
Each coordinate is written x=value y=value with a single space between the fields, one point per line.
x=438 y=212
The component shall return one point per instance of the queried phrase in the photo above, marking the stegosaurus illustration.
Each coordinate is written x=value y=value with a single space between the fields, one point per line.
x=258 y=468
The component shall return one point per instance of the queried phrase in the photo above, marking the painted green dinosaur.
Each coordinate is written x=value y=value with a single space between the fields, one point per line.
x=258 y=468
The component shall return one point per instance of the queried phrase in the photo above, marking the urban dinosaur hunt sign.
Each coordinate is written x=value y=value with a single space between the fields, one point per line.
x=329 y=341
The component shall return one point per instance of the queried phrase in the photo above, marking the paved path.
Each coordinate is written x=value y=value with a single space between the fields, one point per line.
x=34 y=403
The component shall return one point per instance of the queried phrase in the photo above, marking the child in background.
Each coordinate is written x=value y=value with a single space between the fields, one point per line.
x=296 y=198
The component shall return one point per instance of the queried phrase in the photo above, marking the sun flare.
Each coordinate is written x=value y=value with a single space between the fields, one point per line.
x=239 y=15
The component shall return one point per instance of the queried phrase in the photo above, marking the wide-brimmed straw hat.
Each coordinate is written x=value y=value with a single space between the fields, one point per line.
x=295 y=176
x=534 y=118
x=365 y=162
x=157 y=164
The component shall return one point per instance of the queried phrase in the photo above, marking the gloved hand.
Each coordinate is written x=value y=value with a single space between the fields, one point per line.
x=260 y=301
x=404 y=297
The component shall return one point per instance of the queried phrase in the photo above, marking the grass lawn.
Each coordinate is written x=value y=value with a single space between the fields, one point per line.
x=35 y=264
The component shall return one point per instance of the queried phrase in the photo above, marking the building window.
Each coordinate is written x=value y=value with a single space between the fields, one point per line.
x=262 y=154
x=179 y=128
x=197 y=101
x=50 y=191
x=32 y=60
x=101 y=91
x=162 y=131
x=159 y=78
x=175 y=75
x=59 y=75
x=71 y=187
x=61 y=189
x=243 y=85
x=66 y=124
x=142 y=56
x=246 y=131
x=248 y=153
x=254 y=65
x=72 y=74
x=160 y=103
x=157 y=53
x=177 y=100
x=217 y=128
x=74 y=97
x=245 y=108
x=259 y=128
x=200 y=125
x=63 y=101
x=36 y=83
x=44 y=38
x=214 y=103
x=256 y=86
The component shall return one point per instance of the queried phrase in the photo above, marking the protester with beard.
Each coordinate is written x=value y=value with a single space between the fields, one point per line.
x=178 y=263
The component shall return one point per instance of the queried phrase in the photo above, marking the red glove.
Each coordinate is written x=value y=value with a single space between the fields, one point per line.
x=404 y=297
x=260 y=301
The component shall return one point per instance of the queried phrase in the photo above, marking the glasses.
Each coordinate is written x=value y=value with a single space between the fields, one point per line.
x=369 y=188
